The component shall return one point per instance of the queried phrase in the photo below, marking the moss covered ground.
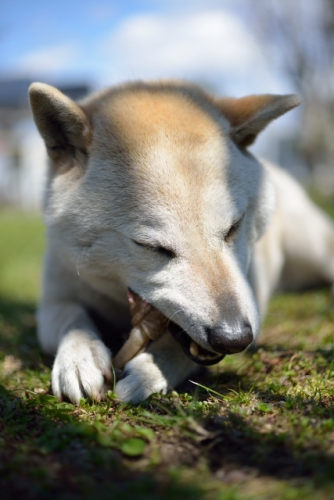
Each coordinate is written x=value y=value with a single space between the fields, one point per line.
x=260 y=425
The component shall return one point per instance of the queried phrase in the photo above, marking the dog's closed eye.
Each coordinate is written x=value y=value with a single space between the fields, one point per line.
x=167 y=252
x=233 y=230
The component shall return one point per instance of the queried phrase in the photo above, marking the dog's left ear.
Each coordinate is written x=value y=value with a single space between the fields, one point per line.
x=61 y=122
x=249 y=115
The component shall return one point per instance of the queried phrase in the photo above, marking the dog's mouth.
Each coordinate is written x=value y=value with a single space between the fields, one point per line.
x=194 y=351
x=152 y=323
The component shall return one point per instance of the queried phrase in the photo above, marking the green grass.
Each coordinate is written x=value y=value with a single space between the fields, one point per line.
x=259 y=425
x=21 y=247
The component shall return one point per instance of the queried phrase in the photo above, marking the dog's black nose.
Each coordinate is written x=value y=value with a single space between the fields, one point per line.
x=230 y=338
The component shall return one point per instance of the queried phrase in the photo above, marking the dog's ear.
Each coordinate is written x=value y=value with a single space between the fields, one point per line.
x=63 y=125
x=249 y=115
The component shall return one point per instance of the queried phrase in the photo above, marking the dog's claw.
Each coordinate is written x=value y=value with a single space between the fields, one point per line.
x=108 y=374
x=81 y=368
x=142 y=378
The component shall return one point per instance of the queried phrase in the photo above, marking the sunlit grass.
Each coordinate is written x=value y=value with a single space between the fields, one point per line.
x=260 y=425
x=21 y=248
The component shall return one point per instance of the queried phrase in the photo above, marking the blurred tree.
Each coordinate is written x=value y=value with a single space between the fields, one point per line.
x=299 y=39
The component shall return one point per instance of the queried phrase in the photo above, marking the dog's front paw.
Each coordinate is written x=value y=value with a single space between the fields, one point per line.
x=141 y=378
x=81 y=368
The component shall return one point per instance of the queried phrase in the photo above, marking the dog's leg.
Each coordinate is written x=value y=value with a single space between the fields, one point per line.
x=162 y=367
x=306 y=236
x=308 y=245
x=82 y=363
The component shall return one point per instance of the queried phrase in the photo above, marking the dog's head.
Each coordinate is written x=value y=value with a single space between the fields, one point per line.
x=151 y=186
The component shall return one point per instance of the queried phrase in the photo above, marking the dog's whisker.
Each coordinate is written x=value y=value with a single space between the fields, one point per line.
x=174 y=314
x=80 y=258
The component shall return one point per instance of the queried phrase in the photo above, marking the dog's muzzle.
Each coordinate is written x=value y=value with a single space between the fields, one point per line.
x=195 y=352
x=224 y=339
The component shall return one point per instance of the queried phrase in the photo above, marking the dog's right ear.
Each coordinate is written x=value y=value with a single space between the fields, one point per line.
x=249 y=115
x=63 y=125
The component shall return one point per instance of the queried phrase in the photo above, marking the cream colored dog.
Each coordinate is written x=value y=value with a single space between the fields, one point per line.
x=151 y=188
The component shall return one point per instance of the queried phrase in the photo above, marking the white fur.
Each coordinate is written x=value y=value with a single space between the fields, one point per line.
x=81 y=366
x=157 y=370
x=163 y=169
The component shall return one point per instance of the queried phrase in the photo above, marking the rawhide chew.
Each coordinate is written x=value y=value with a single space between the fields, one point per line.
x=147 y=324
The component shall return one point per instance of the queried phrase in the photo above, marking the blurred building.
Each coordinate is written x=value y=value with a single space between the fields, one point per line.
x=22 y=151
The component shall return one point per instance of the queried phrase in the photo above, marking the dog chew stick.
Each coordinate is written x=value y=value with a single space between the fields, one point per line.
x=147 y=324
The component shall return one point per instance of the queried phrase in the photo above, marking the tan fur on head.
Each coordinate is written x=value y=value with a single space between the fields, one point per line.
x=251 y=114
x=61 y=122
x=64 y=125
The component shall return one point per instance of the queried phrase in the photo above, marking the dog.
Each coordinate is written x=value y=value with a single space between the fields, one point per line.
x=151 y=188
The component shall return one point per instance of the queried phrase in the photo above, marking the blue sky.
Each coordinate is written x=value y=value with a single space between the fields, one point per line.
x=103 y=42
x=106 y=42
x=69 y=30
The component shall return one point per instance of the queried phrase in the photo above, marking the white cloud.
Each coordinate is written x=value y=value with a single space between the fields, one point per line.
x=211 y=46
x=48 y=60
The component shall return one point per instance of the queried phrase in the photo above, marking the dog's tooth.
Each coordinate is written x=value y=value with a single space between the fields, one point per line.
x=204 y=357
x=193 y=349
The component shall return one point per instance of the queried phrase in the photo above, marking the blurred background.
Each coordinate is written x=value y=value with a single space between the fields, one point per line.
x=231 y=47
